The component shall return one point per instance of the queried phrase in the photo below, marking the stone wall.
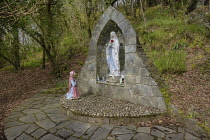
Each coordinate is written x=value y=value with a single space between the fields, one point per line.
x=139 y=86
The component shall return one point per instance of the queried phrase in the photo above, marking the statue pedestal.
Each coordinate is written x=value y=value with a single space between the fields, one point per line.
x=115 y=79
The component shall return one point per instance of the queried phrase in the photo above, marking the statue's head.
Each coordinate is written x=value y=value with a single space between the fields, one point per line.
x=113 y=34
x=72 y=73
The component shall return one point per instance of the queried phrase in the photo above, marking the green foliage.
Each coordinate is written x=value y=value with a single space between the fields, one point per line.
x=72 y=45
x=166 y=38
x=62 y=83
x=32 y=63
x=169 y=61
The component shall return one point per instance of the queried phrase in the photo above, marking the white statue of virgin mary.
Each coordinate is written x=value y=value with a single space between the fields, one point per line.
x=112 y=55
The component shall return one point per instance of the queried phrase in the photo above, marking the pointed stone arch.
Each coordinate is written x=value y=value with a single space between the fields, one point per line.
x=139 y=86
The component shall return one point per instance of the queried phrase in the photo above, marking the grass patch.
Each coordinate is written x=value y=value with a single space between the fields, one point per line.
x=170 y=61
x=62 y=83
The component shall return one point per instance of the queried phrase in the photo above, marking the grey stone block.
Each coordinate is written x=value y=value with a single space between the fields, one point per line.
x=122 y=130
x=136 y=90
x=48 y=106
x=131 y=70
x=64 y=133
x=53 y=111
x=189 y=136
x=181 y=130
x=105 y=17
x=115 y=14
x=156 y=92
x=158 y=102
x=50 y=137
x=129 y=31
x=73 y=138
x=129 y=58
x=144 y=72
x=38 y=133
x=19 y=108
x=139 y=63
x=57 y=118
x=157 y=133
x=124 y=137
x=78 y=134
x=130 y=49
x=92 y=66
x=145 y=90
x=141 y=100
x=119 y=18
x=41 y=115
x=109 y=11
x=46 y=124
x=30 y=111
x=13 y=132
x=91 y=59
x=93 y=42
x=178 y=136
x=129 y=79
x=28 y=118
x=143 y=136
x=101 y=22
x=31 y=128
x=78 y=126
x=25 y=137
x=125 y=23
x=144 y=129
x=90 y=132
x=148 y=81
x=165 y=129
x=100 y=133
x=13 y=123
x=97 y=31
x=132 y=40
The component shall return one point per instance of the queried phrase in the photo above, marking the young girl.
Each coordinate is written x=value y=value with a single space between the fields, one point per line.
x=73 y=92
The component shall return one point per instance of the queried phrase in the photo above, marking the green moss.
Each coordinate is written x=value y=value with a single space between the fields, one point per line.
x=166 y=95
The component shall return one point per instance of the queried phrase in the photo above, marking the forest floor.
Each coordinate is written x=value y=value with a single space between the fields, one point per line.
x=189 y=91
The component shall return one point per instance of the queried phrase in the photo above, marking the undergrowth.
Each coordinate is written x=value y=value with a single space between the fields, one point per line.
x=169 y=61
x=165 y=38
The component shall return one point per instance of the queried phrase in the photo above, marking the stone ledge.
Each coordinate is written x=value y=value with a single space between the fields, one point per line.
x=111 y=84
x=103 y=110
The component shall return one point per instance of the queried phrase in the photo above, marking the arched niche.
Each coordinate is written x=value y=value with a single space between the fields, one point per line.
x=101 y=65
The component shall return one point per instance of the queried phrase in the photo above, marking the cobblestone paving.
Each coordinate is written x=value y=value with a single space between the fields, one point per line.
x=107 y=107
x=41 y=118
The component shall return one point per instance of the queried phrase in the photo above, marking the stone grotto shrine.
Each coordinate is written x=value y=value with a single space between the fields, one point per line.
x=138 y=86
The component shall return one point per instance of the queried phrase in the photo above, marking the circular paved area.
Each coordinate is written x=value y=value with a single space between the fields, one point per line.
x=99 y=106
x=41 y=118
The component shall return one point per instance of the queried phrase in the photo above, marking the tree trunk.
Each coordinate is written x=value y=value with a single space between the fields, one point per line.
x=125 y=8
x=53 y=62
x=43 y=58
x=88 y=13
x=192 y=6
x=10 y=61
x=16 y=48
x=145 y=22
